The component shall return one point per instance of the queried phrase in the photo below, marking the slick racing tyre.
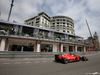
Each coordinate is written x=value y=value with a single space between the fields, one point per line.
x=56 y=59
x=83 y=58
x=65 y=61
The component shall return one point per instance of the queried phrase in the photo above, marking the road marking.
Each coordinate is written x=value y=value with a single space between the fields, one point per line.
x=6 y=63
x=17 y=62
x=27 y=62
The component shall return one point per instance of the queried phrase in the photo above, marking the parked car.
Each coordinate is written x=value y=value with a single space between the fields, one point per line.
x=68 y=57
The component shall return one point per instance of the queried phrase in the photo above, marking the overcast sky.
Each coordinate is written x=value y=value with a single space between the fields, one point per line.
x=78 y=10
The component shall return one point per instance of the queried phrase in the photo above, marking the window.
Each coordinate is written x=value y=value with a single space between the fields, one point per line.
x=53 y=26
x=53 y=20
x=46 y=21
x=57 y=22
x=63 y=25
x=67 y=31
x=37 y=18
x=57 y=25
x=32 y=23
x=63 y=30
x=67 y=23
x=53 y=23
x=37 y=21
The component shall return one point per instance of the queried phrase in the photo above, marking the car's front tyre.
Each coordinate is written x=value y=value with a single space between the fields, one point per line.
x=83 y=58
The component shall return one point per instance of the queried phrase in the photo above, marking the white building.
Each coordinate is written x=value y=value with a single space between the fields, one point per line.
x=63 y=24
x=41 y=20
x=22 y=37
x=59 y=23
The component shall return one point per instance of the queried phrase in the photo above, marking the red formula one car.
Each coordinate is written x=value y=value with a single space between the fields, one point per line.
x=69 y=57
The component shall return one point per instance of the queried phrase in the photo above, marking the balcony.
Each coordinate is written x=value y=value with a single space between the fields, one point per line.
x=41 y=35
x=32 y=32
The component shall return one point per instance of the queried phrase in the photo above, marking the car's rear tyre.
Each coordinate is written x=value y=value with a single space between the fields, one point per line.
x=65 y=61
x=56 y=59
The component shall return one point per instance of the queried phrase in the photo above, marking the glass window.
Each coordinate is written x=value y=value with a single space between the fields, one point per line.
x=63 y=23
x=37 y=18
x=57 y=25
x=6 y=29
x=57 y=22
x=53 y=23
x=27 y=31
x=37 y=21
x=46 y=47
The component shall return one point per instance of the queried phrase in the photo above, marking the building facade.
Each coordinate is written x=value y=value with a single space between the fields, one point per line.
x=63 y=24
x=41 y=20
x=22 y=37
x=59 y=23
x=96 y=40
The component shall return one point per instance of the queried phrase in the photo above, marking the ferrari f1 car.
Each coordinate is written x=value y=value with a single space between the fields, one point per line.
x=69 y=57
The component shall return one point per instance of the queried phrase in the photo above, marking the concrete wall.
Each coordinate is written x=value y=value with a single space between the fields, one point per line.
x=13 y=54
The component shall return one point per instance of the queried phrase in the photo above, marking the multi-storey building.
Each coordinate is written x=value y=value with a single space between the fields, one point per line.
x=95 y=38
x=59 y=23
x=41 y=20
x=63 y=24
x=22 y=37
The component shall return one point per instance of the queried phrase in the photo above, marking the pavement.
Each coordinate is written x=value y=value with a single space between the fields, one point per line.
x=47 y=66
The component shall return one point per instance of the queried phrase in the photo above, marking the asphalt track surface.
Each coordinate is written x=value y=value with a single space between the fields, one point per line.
x=47 y=66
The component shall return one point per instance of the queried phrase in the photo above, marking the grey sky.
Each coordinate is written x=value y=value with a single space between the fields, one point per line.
x=78 y=10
